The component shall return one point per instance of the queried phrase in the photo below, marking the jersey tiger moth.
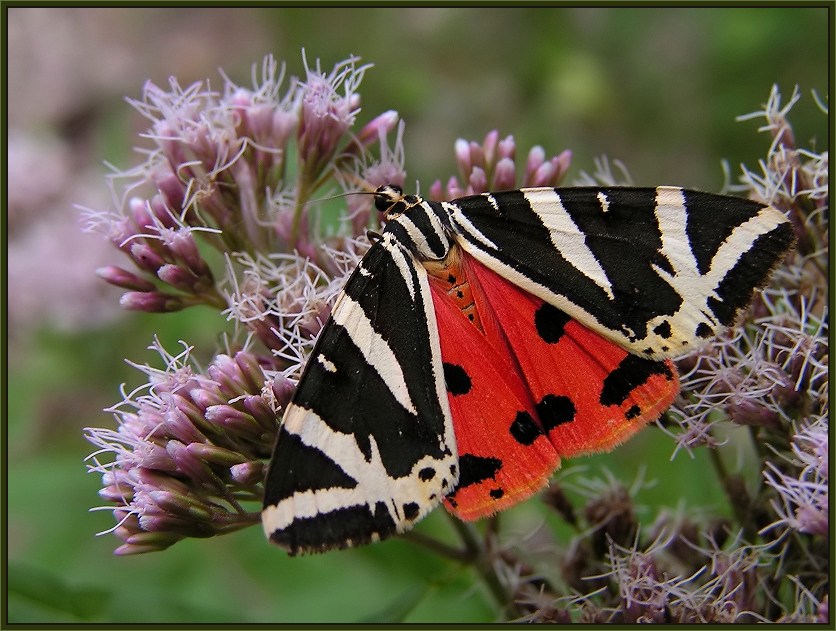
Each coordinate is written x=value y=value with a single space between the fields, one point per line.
x=481 y=340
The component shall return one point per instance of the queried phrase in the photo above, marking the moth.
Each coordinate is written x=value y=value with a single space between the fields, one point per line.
x=481 y=340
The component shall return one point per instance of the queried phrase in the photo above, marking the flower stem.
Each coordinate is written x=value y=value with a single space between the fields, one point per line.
x=482 y=561
x=731 y=486
x=442 y=549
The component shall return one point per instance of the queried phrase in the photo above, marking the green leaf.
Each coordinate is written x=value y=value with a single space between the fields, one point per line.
x=45 y=590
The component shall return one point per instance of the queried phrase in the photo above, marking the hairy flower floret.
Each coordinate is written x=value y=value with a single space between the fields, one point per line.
x=329 y=107
x=801 y=481
x=168 y=465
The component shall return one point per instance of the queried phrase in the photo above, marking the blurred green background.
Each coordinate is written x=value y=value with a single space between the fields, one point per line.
x=657 y=88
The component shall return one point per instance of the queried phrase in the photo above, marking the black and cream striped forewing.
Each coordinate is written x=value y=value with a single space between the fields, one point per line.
x=657 y=270
x=366 y=447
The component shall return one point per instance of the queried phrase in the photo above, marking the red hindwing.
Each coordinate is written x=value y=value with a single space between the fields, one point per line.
x=527 y=385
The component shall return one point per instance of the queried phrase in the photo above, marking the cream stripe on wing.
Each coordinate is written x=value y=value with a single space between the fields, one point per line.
x=565 y=235
x=375 y=350
x=458 y=217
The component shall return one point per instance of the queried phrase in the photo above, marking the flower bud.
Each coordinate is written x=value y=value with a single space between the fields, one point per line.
x=561 y=165
x=163 y=522
x=179 y=505
x=454 y=189
x=165 y=541
x=182 y=420
x=145 y=257
x=182 y=244
x=150 y=301
x=216 y=455
x=436 y=191
x=283 y=389
x=478 y=181
x=536 y=158
x=194 y=467
x=206 y=396
x=260 y=410
x=462 y=151
x=173 y=194
x=234 y=420
x=229 y=377
x=505 y=176
x=250 y=371
x=382 y=124
x=123 y=278
x=488 y=148
x=544 y=175
x=178 y=277
x=247 y=473
x=117 y=494
x=507 y=148
x=140 y=213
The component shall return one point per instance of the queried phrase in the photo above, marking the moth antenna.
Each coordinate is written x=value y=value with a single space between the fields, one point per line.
x=344 y=194
x=363 y=186
x=347 y=179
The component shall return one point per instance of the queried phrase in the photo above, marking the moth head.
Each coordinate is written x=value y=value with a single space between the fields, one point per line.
x=390 y=200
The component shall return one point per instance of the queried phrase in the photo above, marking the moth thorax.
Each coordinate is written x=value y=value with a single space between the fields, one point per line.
x=421 y=231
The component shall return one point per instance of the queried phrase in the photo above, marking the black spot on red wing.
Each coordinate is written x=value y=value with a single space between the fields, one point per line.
x=410 y=511
x=427 y=473
x=555 y=410
x=663 y=329
x=496 y=493
x=633 y=412
x=457 y=380
x=470 y=317
x=703 y=330
x=524 y=430
x=451 y=279
x=459 y=294
x=632 y=372
x=476 y=469
x=550 y=322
